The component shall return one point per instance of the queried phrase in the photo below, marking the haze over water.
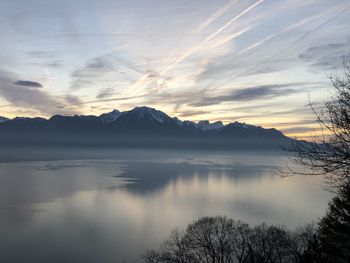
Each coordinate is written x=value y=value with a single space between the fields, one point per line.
x=110 y=206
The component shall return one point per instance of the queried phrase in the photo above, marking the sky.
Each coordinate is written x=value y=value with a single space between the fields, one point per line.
x=254 y=61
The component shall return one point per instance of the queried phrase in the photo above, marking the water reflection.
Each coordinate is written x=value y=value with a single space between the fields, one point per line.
x=110 y=210
x=152 y=177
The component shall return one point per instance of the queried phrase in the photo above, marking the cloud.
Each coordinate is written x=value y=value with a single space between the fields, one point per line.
x=225 y=69
x=111 y=99
x=248 y=94
x=22 y=97
x=326 y=56
x=234 y=65
x=93 y=68
x=295 y=116
x=212 y=36
x=307 y=34
x=300 y=129
x=258 y=92
x=106 y=69
x=73 y=100
x=28 y=83
x=190 y=113
x=145 y=80
x=105 y=93
x=51 y=59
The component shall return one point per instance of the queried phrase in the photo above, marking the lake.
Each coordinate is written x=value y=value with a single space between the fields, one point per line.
x=111 y=206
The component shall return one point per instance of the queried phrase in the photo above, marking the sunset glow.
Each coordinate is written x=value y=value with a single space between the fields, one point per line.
x=259 y=62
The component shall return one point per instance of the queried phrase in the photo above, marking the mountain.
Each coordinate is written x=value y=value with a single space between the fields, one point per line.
x=207 y=126
x=2 y=119
x=139 y=127
x=107 y=118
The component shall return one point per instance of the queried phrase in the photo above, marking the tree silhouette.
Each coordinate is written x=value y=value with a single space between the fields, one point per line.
x=330 y=156
x=224 y=240
x=334 y=230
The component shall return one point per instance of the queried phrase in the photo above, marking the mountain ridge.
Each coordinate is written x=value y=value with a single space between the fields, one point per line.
x=112 y=116
x=140 y=126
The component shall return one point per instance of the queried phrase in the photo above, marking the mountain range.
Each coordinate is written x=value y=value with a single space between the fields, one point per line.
x=139 y=127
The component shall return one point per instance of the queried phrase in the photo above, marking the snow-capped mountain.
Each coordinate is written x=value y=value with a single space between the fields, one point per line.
x=148 y=113
x=207 y=126
x=141 y=126
x=242 y=125
x=110 y=116
x=178 y=121
x=138 y=112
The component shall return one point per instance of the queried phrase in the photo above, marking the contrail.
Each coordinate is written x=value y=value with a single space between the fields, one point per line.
x=145 y=80
x=221 y=11
x=231 y=21
x=195 y=48
x=109 y=100
x=298 y=40
x=288 y=28
x=216 y=15
x=293 y=44
x=230 y=37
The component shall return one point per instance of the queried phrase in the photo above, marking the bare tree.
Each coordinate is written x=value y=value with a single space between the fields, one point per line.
x=224 y=240
x=218 y=239
x=175 y=249
x=271 y=244
x=330 y=156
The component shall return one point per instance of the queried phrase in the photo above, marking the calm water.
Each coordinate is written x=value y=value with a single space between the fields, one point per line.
x=111 y=207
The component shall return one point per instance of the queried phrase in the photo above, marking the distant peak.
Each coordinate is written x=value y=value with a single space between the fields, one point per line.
x=242 y=125
x=110 y=116
x=143 y=108
x=218 y=123
x=149 y=112
x=203 y=122
x=205 y=125
x=114 y=111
